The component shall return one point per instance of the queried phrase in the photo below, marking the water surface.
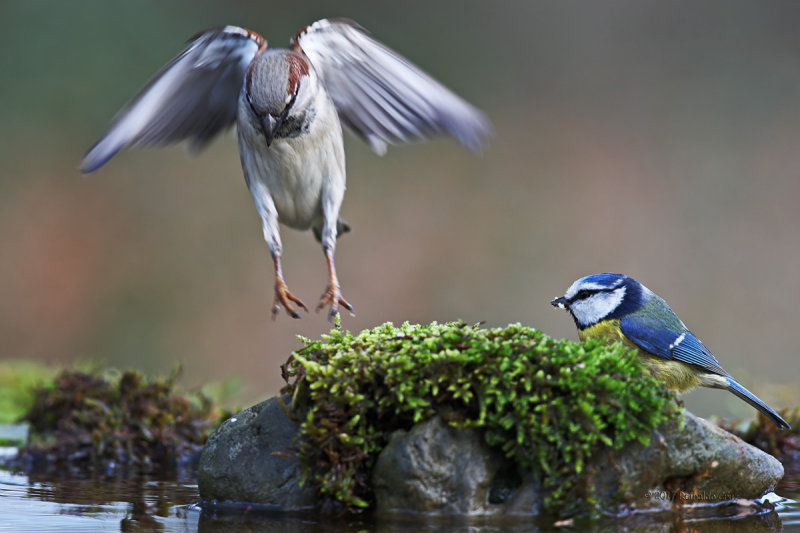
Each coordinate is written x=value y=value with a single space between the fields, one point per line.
x=137 y=503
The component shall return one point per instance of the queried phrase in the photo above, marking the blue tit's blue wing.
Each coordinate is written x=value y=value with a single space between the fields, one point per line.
x=653 y=335
x=691 y=350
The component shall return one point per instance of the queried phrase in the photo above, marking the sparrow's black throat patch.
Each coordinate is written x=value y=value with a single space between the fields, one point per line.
x=293 y=126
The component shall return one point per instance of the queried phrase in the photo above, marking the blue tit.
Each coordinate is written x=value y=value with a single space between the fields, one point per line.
x=620 y=309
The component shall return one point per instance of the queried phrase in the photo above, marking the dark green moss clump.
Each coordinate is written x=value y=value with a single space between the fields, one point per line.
x=546 y=404
x=93 y=420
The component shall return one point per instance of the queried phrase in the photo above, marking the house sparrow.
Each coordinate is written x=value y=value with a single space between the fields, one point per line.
x=289 y=105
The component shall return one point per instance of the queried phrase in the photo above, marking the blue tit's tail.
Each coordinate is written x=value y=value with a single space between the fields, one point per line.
x=751 y=398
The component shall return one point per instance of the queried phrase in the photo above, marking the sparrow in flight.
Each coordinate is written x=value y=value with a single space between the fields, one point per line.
x=289 y=106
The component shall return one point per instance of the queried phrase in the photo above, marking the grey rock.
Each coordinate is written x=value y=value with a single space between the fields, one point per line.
x=435 y=469
x=248 y=460
x=691 y=461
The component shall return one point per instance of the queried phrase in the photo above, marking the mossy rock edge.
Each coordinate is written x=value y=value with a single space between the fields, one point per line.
x=579 y=423
x=547 y=404
x=435 y=469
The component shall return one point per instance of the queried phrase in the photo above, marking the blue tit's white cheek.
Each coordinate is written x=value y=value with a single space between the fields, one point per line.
x=595 y=308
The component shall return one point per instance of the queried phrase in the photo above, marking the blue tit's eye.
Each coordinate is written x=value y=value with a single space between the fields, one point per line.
x=583 y=293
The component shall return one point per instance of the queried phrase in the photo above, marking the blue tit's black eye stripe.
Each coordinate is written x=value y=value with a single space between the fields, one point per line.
x=586 y=293
x=582 y=295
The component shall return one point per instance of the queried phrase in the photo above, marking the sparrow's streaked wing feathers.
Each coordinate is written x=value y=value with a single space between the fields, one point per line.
x=193 y=98
x=380 y=95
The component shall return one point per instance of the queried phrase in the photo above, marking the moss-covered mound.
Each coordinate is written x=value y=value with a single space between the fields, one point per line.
x=94 y=420
x=546 y=404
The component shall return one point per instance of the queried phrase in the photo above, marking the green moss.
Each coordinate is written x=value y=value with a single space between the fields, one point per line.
x=100 y=419
x=18 y=379
x=546 y=404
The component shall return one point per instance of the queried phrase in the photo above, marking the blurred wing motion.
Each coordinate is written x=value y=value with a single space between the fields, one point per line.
x=194 y=97
x=380 y=95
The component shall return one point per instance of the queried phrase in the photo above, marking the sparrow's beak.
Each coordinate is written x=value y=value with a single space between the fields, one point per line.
x=559 y=302
x=268 y=126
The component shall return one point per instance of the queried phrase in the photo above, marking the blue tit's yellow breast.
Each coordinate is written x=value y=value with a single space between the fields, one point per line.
x=673 y=374
x=605 y=329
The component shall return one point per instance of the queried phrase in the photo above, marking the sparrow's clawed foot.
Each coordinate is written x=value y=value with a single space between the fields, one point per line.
x=333 y=297
x=284 y=298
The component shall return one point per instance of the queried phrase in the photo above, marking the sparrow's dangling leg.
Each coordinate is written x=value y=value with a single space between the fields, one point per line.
x=269 y=223
x=333 y=294
x=282 y=295
x=332 y=227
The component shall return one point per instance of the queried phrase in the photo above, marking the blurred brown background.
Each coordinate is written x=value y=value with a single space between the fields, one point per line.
x=658 y=139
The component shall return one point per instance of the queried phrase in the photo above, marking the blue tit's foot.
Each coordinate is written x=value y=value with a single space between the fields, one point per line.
x=284 y=298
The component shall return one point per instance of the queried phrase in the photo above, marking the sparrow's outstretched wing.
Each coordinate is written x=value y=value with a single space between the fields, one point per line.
x=193 y=98
x=380 y=95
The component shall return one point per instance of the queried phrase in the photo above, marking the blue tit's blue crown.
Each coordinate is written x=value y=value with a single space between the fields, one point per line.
x=605 y=280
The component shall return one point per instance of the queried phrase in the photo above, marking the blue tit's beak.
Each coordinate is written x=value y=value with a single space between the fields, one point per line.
x=559 y=302
x=268 y=126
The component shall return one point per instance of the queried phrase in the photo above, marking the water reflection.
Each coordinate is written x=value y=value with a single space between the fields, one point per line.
x=137 y=503
x=48 y=502
x=761 y=521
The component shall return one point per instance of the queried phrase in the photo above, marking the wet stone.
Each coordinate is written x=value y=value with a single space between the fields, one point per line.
x=249 y=459
x=434 y=469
